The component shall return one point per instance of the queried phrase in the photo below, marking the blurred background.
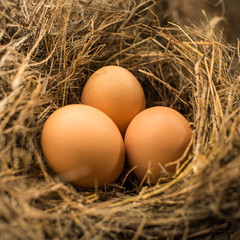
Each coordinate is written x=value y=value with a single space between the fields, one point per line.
x=221 y=14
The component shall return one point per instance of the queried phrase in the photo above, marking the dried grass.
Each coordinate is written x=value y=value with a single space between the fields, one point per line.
x=48 y=50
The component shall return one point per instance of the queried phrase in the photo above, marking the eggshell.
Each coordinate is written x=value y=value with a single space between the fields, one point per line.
x=83 y=145
x=115 y=91
x=157 y=135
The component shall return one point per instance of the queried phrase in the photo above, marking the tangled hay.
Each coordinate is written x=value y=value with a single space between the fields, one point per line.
x=48 y=50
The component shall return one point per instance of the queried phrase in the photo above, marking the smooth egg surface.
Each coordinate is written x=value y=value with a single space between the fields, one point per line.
x=115 y=91
x=83 y=145
x=156 y=137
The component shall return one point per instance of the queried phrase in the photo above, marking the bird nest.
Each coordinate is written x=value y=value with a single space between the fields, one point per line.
x=48 y=51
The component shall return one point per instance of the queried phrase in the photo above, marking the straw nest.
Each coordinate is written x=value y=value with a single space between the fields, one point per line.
x=48 y=50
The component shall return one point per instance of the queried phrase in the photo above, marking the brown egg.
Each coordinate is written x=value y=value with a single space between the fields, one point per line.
x=116 y=92
x=155 y=137
x=83 y=146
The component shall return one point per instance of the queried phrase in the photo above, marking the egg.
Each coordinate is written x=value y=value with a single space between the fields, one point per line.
x=155 y=138
x=115 y=91
x=83 y=146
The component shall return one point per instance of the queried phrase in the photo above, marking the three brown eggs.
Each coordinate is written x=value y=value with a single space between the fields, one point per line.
x=87 y=143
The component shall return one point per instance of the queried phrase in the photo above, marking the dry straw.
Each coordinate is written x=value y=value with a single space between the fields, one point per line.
x=48 y=50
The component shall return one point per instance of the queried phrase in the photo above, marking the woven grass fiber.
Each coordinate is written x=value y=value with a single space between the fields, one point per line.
x=48 y=49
